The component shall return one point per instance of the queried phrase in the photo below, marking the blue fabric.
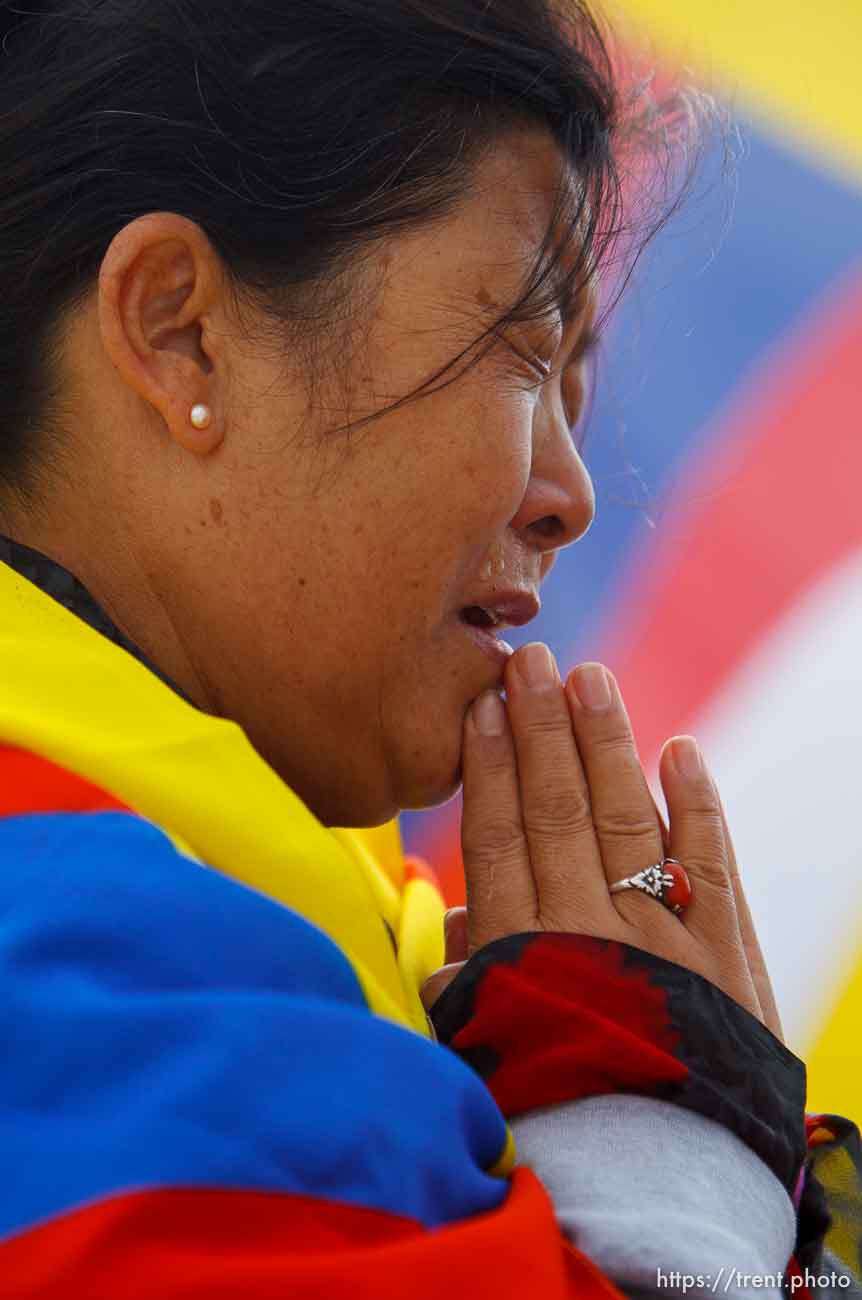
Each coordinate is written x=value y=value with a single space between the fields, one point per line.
x=163 y=1025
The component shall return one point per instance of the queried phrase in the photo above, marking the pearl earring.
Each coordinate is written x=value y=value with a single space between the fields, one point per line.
x=200 y=416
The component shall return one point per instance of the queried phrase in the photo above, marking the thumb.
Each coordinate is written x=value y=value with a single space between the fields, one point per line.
x=455 y=934
x=436 y=983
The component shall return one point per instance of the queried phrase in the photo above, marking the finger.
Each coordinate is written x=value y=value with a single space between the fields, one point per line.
x=571 y=888
x=751 y=944
x=697 y=840
x=455 y=934
x=628 y=829
x=436 y=983
x=663 y=828
x=501 y=895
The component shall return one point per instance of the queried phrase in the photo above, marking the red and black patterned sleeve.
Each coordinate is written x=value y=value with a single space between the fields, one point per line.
x=548 y=1018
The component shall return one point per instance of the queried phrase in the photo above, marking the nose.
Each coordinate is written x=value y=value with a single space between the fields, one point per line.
x=559 y=504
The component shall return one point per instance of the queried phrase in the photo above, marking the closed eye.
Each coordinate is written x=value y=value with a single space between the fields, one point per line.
x=544 y=367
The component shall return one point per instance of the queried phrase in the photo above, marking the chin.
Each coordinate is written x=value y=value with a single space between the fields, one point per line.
x=368 y=815
x=422 y=772
x=417 y=792
x=429 y=784
x=433 y=798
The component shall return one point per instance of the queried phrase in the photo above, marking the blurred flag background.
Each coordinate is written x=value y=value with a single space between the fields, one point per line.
x=722 y=580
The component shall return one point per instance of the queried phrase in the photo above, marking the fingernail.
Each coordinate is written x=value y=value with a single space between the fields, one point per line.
x=489 y=716
x=536 y=666
x=686 y=757
x=591 y=688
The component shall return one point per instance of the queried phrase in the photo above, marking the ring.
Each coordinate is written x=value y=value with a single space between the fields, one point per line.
x=667 y=882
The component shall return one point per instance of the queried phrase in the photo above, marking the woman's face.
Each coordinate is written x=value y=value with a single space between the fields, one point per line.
x=312 y=586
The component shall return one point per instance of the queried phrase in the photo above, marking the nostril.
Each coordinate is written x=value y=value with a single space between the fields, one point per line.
x=550 y=526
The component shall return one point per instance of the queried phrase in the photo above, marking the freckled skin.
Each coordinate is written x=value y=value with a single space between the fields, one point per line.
x=321 y=611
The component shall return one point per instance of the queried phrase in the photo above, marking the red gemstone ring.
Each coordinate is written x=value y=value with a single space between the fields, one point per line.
x=667 y=882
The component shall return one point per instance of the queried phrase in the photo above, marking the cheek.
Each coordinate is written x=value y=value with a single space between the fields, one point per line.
x=514 y=466
x=496 y=473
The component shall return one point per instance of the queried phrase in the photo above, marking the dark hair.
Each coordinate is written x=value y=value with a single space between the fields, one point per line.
x=295 y=133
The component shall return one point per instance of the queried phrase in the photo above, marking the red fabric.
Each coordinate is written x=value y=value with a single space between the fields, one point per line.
x=799 y=1291
x=553 y=1044
x=30 y=784
x=818 y=1130
x=213 y=1244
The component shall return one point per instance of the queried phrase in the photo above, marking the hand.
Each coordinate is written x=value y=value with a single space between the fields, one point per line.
x=557 y=808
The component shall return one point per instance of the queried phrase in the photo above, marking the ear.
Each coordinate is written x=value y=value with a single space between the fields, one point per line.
x=160 y=298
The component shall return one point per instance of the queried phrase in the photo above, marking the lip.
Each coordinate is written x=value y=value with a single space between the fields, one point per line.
x=497 y=650
x=511 y=608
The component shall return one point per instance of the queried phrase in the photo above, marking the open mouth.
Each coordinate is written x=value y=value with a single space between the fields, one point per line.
x=476 y=616
x=483 y=630
x=484 y=623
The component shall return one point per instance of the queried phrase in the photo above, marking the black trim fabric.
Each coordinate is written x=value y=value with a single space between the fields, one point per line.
x=62 y=586
x=552 y=1017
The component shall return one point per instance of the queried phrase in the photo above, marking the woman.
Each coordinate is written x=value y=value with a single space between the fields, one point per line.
x=295 y=306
